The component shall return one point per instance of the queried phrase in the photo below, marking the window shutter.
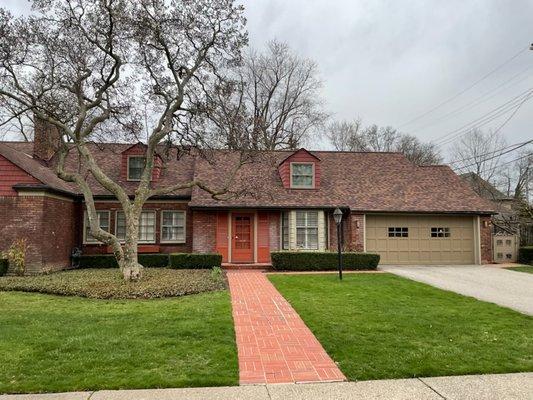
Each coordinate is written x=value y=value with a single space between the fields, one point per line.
x=263 y=237
x=321 y=231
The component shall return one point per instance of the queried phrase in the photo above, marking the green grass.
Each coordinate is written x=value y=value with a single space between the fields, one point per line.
x=109 y=283
x=54 y=344
x=379 y=326
x=522 y=268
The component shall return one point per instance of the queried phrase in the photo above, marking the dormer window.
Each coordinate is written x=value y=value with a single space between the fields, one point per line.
x=135 y=167
x=302 y=175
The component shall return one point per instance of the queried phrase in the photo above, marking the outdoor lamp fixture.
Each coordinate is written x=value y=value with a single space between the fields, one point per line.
x=337 y=216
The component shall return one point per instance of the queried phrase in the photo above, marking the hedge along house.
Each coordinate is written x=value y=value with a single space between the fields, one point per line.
x=284 y=201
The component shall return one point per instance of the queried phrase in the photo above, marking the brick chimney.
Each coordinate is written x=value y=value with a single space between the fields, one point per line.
x=46 y=139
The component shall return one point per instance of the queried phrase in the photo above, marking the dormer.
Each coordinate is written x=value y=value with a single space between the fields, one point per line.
x=133 y=160
x=300 y=170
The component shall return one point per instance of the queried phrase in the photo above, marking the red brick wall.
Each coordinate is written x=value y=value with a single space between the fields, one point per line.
x=332 y=231
x=485 y=234
x=113 y=207
x=48 y=225
x=10 y=175
x=299 y=156
x=275 y=230
x=204 y=235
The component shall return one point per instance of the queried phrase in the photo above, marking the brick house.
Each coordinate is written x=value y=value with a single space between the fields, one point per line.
x=282 y=200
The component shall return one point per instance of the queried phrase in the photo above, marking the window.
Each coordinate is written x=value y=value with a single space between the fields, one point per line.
x=509 y=256
x=146 y=226
x=103 y=223
x=440 y=232
x=508 y=242
x=173 y=226
x=302 y=175
x=307 y=230
x=285 y=230
x=135 y=167
x=499 y=242
x=398 y=232
x=500 y=255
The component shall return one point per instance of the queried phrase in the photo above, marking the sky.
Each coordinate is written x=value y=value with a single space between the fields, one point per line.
x=389 y=62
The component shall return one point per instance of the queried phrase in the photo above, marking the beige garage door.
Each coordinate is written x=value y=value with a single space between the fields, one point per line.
x=421 y=239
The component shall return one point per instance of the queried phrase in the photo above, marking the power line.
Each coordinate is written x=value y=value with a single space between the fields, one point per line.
x=465 y=90
x=495 y=113
x=495 y=156
x=515 y=147
x=474 y=103
x=491 y=169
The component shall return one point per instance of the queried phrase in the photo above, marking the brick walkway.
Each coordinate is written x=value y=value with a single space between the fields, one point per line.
x=274 y=344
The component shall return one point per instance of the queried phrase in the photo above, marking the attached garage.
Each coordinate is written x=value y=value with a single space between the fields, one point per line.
x=423 y=239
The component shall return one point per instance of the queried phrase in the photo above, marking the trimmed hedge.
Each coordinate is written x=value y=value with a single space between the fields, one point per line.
x=109 y=261
x=322 y=260
x=195 y=260
x=4 y=265
x=525 y=255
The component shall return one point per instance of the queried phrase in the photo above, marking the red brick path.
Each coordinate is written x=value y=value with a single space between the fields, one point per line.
x=273 y=342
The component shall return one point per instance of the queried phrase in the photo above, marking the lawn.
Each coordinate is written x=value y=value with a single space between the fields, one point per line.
x=109 y=284
x=522 y=268
x=54 y=344
x=379 y=326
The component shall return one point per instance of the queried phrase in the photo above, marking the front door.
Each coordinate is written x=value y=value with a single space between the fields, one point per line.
x=242 y=238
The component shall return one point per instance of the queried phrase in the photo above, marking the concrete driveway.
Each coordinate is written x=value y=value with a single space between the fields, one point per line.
x=496 y=285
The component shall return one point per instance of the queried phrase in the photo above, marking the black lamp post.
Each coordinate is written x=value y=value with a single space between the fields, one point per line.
x=337 y=216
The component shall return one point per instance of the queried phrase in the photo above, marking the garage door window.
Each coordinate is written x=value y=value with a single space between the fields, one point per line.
x=440 y=232
x=398 y=232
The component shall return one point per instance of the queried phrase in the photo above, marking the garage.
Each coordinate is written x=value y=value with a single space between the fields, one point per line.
x=422 y=239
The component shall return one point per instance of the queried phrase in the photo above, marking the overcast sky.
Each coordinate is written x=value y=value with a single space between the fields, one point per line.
x=388 y=62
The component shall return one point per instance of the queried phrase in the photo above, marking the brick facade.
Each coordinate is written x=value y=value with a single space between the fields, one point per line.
x=352 y=230
x=48 y=225
x=485 y=234
x=156 y=247
x=204 y=237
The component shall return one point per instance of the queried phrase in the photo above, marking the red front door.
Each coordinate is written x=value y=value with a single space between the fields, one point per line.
x=242 y=238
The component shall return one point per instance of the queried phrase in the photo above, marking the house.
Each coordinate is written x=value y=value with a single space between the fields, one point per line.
x=282 y=200
x=506 y=217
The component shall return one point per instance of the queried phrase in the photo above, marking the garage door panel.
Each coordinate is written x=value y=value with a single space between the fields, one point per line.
x=420 y=247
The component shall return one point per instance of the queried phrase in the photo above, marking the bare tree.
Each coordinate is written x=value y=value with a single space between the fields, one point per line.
x=351 y=136
x=272 y=103
x=89 y=66
x=478 y=152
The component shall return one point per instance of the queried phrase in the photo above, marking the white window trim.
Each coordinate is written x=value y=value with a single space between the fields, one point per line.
x=299 y=186
x=85 y=220
x=128 y=167
x=306 y=227
x=184 y=227
x=138 y=240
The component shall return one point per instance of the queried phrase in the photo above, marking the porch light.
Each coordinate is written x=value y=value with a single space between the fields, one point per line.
x=337 y=216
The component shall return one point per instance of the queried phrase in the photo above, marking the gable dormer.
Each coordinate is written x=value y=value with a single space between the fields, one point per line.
x=133 y=160
x=300 y=170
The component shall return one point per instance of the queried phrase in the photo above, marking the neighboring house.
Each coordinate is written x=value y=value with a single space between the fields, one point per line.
x=406 y=213
x=506 y=218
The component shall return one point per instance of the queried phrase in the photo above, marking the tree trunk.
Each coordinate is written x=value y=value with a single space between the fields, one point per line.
x=129 y=265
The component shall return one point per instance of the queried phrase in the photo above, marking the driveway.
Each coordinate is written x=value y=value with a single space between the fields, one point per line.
x=496 y=285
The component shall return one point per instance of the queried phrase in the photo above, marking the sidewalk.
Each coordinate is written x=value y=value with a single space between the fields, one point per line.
x=471 y=387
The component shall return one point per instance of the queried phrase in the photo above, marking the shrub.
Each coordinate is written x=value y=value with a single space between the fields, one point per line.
x=525 y=255
x=16 y=254
x=4 y=265
x=109 y=261
x=195 y=260
x=322 y=260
